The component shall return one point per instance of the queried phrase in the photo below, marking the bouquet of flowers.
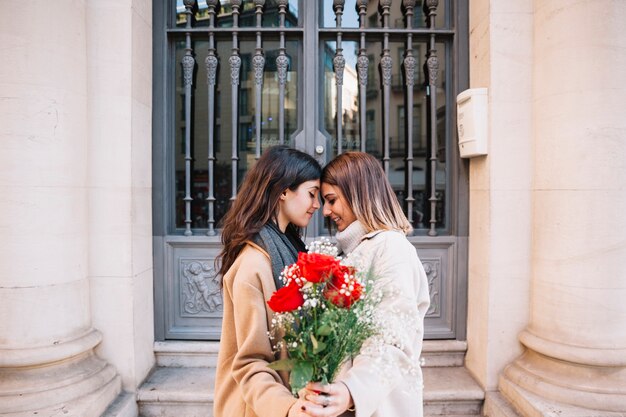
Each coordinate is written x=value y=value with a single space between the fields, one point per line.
x=324 y=313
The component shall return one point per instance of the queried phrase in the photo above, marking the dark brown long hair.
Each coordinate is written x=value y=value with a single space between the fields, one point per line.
x=279 y=168
x=363 y=183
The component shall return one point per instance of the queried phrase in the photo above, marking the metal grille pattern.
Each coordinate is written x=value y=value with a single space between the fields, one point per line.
x=211 y=70
x=432 y=64
x=362 y=66
x=339 y=64
x=188 y=65
x=363 y=36
x=409 y=75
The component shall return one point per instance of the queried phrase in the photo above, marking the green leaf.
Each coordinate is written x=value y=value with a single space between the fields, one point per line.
x=301 y=374
x=324 y=330
x=282 y=365
x=314 y=341
x=319 y=348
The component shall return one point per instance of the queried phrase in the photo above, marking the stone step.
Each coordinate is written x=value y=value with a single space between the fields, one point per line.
x=440 y=353
x=177 y=392
x=125 y=405
x=178 y=354
x=188 y=392
x=451 y=392
x=497 y=406
x=435 y=353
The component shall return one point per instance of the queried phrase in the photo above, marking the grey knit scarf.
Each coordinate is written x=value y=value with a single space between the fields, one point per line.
x=283 y=249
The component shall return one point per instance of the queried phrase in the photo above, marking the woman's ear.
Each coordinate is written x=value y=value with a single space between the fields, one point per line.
x=283 y=195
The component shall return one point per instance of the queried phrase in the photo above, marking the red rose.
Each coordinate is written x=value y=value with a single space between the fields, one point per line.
x=342 y=290
x=288 y=298
x=316 y=267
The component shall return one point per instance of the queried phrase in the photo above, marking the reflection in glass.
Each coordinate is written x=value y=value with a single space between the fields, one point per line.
x=421 y=141
x=223 y=132
x=350 y=18
x=246 y=14
x=350 y=96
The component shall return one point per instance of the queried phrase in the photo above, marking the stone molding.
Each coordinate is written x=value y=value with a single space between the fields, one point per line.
x=25 y=389
x=576 y=354
x=597 y=388
x=36 y=356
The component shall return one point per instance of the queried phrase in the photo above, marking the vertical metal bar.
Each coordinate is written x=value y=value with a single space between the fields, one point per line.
x=339 y=63
x=362 y=65
x=281 y=66
x=385 y=69
x=432 y=64
x=235 y=65
x=188 y=63
x=211 y=73
x=409 y=75
x=258 y=63
x=310 y=139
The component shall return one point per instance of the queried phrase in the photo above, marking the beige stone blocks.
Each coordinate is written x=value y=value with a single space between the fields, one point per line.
x=500 y=188
x=120 y=181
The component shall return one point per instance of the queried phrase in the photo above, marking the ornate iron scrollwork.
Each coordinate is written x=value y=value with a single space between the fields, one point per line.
x=433 y=66
x=386 y=64
x=258 y=63
x=409 y=70
x=362 y=65
x=282 y=63
x=211 y=68
x=235 y=66
x=339 y=63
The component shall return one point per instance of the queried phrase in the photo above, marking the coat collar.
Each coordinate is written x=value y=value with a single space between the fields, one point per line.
x=257 y=247
x=370 y=235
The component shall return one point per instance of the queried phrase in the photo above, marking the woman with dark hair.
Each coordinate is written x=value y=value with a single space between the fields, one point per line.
x=385 y=379
x=260 y=237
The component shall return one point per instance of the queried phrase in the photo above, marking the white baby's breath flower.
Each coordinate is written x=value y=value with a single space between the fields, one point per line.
x=322 y=246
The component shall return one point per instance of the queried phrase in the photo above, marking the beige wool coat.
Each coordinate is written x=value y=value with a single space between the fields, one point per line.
x=244 y=385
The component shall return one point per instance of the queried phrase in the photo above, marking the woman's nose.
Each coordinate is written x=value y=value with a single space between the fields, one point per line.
x=326 y=210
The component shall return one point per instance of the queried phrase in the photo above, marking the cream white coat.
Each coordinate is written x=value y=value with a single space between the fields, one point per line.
x=393 y=393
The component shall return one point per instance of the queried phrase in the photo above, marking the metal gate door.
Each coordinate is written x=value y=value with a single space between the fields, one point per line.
x=234 y=77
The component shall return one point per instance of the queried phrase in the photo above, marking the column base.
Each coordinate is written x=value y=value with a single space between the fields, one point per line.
x=93 y=404
x=78 y=385
x=541 y=386
x=528 y=404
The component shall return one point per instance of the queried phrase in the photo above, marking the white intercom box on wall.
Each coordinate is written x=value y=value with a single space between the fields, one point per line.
x=471 y=106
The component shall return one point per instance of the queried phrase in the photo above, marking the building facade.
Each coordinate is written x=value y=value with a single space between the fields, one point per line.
x=125 y=127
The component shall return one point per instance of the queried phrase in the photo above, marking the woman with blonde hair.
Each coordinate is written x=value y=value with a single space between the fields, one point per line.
x=385 y=379
x=278 y=196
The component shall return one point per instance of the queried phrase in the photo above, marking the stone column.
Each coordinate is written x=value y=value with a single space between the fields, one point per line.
x=47 y=362
x=500 y=188
x=576 y=338
x=119 y=81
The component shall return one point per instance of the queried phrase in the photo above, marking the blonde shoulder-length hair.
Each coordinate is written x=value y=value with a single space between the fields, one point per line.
x=365 y=187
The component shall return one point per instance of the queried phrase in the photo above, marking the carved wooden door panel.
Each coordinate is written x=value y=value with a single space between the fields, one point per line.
x=235 y=77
